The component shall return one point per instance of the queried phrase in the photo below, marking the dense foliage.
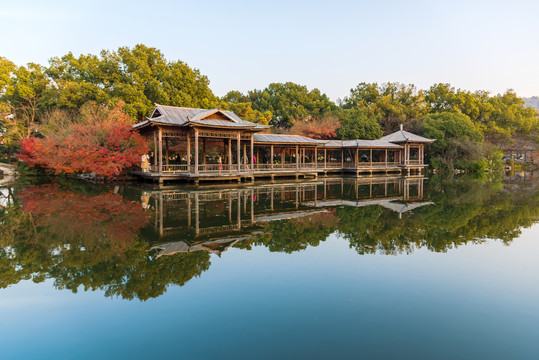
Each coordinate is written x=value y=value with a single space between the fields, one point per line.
x=141 y=76
x=287 y=102
x=97 y=140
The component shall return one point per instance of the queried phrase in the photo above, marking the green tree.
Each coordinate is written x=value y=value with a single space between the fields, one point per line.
x=458 y=141
x=139 y=76
x=286 y=102
x=28 y=93
x=391 y=103
x=358 y=124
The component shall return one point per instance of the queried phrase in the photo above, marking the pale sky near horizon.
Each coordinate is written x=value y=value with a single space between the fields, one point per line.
x=330 y=45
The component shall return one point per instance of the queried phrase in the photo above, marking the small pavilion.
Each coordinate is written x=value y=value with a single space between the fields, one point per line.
x=200 y=144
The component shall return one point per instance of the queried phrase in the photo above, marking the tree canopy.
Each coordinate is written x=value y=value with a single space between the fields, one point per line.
x=286 y=102
x=141 y=76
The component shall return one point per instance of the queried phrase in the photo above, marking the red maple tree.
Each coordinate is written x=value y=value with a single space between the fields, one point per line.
x=101 y=145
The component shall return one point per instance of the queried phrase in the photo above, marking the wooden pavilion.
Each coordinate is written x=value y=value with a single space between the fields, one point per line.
x=216 y=145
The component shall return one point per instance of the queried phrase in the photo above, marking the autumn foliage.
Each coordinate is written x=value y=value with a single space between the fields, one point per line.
x=105 y=220
x=323 y=128
x=97 y=140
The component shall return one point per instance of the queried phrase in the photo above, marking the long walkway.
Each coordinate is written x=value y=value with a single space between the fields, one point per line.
x=249 y=173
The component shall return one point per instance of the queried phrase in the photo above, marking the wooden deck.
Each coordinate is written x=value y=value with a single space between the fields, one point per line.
x=250 y=173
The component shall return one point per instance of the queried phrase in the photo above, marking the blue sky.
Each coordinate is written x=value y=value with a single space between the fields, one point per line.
x=331 y=45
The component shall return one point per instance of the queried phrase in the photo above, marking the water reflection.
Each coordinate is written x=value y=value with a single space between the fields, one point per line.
x=214 y=220
x=134 y=243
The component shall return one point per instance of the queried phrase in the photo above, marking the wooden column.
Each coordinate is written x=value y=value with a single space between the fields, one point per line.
x=238 y=153
x=342 y=157
x=246 y=163
x=155 y=159
x=204 y=152
x=325 y=157
x=386 y=157
x=253 y=153
x=356 y=158
x=160 y=136
x=271 y=155
x=188 y=158
x=316 y=157
x=407 y=154
x=282 y=156
x=196 y=151
x=229 y=154
x=166 y=150
x=371 y=159
x=297 y=158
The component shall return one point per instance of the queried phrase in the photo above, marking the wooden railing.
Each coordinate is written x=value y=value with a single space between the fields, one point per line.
x=174 y=168
x=232 y=168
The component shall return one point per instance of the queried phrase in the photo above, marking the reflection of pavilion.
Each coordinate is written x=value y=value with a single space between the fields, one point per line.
x=214 y=220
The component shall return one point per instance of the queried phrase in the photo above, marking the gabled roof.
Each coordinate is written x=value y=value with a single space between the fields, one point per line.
x=204 y=114
x=404 y=136
x=183 y=116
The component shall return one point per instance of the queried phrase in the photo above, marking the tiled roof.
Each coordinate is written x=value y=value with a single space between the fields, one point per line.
x=403 y=136
x=286 y=139
x=181 y=116
x=361 y=144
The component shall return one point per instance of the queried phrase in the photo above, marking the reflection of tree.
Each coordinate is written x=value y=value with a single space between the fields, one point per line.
x=88 y=241
x=92 y=240
x=296 y=234
x=95 y=222
x=465 y=210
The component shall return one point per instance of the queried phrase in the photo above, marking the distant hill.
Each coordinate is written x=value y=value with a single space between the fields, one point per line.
x=532 y=102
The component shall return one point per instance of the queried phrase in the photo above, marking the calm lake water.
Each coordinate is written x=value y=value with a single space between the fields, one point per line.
x=437 y=268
